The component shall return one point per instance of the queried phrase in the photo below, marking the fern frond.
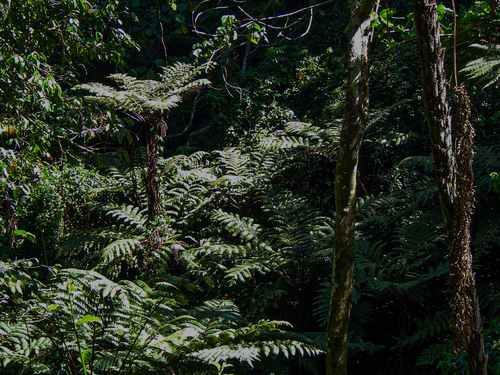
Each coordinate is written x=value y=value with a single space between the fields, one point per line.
x=130 y=215
x=428 y=329
x=225 y=251
x=241 y=227
x=434 y=352
x=285 y=142
x=143 y=98
x=367 y=207
x=245 y=271
x=322 y=302
x=486 y=69
x=381 y=114
x=489 y=297
x=118 y=250
x=85 y=244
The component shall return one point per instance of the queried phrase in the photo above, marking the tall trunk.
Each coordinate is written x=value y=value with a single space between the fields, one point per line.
x=466 y=320
x=353 y=128
x=452 y=153
x=436 y=109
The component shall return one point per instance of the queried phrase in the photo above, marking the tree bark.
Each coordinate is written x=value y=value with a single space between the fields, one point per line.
x=437 y=113
x=451 y=144
x=151 y=180
x=353 y=128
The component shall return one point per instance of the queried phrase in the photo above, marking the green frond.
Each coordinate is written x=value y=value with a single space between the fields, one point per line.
x=130 y=327
x=364 y=346
x=421 y=237
x=322 y=303
x=377 y=115
x=486 y=160
x=118 y=250
x=130 y=215
x=180 y=74
x=101 y=93
x=489 y=297
x=123 y=80
x=297 y=127
x=235 y=163
x=367 y=207
x=320 y=136
x=391 y=137
x=241 y=227
x=284 y=142
x=300 y=135
x=143 y=98
x=83 y=243
x=224 y=353
x=245 y=271
x=369 y=255
x=417 y=161
x=225 y=251
x=434 y=353
x=485 y=69
x=427 y=329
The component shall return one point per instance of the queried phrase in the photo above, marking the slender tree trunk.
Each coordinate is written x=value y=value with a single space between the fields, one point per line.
x=353 y=128
x=452 y=153
x=151 y=181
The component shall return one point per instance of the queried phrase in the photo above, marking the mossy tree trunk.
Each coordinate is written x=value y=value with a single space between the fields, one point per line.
x=451 y=142
x=353 y=128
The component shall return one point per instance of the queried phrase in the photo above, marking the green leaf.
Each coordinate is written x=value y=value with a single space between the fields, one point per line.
x=87 y=355
x=53 y=307
x=89 y=318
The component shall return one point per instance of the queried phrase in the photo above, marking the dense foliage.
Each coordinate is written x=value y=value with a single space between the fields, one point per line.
x=178 y=216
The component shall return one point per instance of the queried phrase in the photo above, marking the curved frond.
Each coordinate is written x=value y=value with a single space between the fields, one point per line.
x=485 y=69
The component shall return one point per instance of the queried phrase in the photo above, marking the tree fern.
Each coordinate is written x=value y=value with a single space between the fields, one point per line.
x=144 y=97
x=148 y=102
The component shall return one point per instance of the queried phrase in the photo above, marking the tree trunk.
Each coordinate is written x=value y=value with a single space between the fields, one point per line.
x=151 y=180
x=353 y=128
x=465 y=320
x=452 y=153
x=436 y=109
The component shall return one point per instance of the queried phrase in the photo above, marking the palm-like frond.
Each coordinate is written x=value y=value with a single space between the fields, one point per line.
x=300 y=135
x=143 y=98
x=485 y=69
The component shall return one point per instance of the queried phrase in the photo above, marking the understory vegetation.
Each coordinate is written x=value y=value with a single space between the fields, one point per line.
x=167 y=190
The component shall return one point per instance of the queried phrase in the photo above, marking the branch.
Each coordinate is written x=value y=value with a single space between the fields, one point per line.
x=365 y=8
x=265 y=21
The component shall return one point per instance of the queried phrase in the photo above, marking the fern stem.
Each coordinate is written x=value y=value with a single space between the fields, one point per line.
x=76 y=330
x=138 y=335
x=42 y=237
